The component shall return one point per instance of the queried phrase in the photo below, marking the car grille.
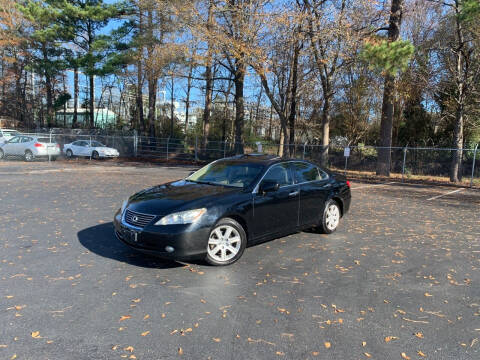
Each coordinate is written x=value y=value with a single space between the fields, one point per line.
x=137 y=219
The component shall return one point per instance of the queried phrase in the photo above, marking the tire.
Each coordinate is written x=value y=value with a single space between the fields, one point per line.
x=69 y=154
x=29 y=156
x=331 y=217
x=53 y=158
x=2 y=154
x=222 y=251
x=95 y=155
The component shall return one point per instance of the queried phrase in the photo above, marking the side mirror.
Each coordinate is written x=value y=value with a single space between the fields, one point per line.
x=268 y=186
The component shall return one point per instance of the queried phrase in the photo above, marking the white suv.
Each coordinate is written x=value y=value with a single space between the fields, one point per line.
x=7 y=134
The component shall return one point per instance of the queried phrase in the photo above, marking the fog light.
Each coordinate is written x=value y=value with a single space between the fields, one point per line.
x=169 y=249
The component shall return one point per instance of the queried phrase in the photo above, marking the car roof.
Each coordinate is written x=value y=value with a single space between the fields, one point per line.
x=264 y=159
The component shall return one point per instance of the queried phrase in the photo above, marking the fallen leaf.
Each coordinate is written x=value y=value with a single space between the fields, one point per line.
x=390 y=338
x=327 y=344
x=136 y=300
x=180 y=351
x=280 y=353
x=420 y=353
x=419 y=335
x=146 y=317
x=145 y=333
x=36 y=335
x=13 y=357
x=367 y=355
x=427 y=294
x=125 y=317
x=129 y=348
x=216 y=339
x=404 y=356
x=315 y=353
x=364 y=343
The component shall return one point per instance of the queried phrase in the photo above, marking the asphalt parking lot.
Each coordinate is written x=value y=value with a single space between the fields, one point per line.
x=400 y=279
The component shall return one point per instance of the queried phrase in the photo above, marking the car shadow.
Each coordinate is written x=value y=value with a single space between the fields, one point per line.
x=101 y=240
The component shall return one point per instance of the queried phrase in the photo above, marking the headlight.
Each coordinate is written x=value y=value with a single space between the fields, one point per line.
x=124 y=206
x=184 y=217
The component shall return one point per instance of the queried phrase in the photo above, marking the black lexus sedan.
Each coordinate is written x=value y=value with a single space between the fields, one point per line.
x=229 y=204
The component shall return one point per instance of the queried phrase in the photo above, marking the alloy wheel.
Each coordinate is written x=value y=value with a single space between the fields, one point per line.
x=224 y=243
x=332 y=217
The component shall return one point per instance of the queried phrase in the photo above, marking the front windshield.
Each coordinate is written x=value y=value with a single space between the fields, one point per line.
x=228 y=173
x=96 y=144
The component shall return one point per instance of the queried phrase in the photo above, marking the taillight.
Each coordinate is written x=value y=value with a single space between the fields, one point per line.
x=38 y=145
x=348 y=183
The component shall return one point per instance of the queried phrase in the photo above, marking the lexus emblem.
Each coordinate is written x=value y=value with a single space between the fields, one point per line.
x=135 y=218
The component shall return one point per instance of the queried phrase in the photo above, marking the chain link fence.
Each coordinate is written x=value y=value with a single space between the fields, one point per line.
x=407 y=161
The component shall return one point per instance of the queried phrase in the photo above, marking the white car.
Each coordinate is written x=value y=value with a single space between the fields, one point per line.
x=30 y=147
x=88 y=148
x=7 y=134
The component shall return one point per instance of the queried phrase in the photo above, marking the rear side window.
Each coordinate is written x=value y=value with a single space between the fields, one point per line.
x=305 y=172
x=26 y=139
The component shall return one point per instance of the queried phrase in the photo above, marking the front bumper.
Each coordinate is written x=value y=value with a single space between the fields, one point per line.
x=187 y=241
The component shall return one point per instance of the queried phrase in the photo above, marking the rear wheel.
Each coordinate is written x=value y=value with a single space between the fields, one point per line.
x=53 y=158
x=331 y=217
x=28 y=156
x=2 y=154
x=69 y=154
x=226 y=243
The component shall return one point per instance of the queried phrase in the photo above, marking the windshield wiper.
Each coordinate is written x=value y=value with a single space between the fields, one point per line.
x=204 y=182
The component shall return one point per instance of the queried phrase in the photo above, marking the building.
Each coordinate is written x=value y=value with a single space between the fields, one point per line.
x=103 y=118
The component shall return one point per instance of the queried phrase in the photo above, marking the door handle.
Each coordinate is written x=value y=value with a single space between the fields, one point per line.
x=295 y=193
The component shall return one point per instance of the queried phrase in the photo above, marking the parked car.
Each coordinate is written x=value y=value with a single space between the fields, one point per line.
x=30 y=147
x=215 y=212
x=7 y=134
x=88 y=148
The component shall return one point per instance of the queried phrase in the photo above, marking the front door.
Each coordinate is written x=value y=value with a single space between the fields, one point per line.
x=11 y=147
x=276 y=212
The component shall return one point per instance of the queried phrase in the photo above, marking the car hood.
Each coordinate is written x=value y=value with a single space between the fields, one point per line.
x=166 y=198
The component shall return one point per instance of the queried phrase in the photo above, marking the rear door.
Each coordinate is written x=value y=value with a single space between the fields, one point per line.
x=314 y=188
x=276 y=212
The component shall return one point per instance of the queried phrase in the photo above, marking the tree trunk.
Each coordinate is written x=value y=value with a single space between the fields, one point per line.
x=92 y=101
x=239 y=82
x=75 y=97
x=325 y=130
x=49 y=90
x=208 y=80
x=456 y=166
x=293 y=99
x=384 y=154
x=386 y=126
x=152 y=100
x=172 y=107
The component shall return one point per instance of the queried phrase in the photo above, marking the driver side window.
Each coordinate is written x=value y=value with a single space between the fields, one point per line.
x=280 y=174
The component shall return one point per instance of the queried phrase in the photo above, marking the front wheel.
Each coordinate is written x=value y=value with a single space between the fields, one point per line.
x=226 y=242
x=69 y=154
x=331 y=217
x=2 y=154
x=95 y=155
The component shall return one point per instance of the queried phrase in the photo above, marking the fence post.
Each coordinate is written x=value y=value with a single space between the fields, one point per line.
x=473 y=165
x=168 y=141
x=304 y=149
x=48 y=147
x=196 y=147
x=404 y=160
x=224 y=149
x=135 y=143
